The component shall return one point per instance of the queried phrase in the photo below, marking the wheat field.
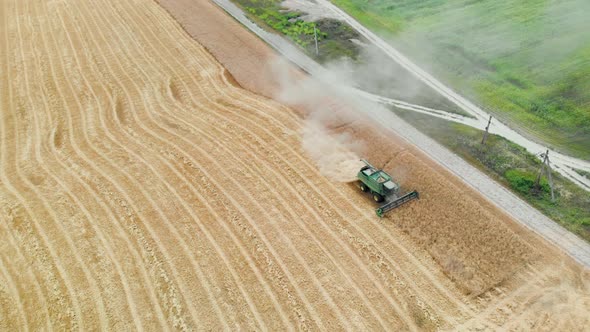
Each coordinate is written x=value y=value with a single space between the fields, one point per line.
x=141 y=188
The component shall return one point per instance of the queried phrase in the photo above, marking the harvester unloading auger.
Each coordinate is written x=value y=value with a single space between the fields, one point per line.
x=381 y=186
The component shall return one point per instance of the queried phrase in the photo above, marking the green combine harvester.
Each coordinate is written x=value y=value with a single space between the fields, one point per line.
x=381 y=186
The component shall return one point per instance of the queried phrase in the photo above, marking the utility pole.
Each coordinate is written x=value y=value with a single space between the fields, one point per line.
x=315 y=34
x=548 y=171
x=537 y=185
x=545 y=167
x=485 y=134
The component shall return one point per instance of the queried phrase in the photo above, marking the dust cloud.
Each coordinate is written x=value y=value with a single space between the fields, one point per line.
x=337 y=155
x=333 y=153
x=329 y=105
x=376 y=72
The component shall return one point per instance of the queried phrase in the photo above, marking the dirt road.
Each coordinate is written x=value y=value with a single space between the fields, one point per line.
x=141 y=188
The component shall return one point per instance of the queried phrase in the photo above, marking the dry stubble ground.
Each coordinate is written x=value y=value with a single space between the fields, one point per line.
x=141 y=188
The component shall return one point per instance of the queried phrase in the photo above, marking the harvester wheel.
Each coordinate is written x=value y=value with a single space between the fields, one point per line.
x=363 y=187
x=378 y=198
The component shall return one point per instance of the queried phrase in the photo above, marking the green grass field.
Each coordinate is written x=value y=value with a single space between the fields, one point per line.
x=527 y=61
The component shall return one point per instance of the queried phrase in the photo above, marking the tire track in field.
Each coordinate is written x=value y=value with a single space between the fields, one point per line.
x=15 y=294
x=7 y=304
x=41 y=247
x=188 y=210
x=107 y=291
x=159 y=211
x=5 y=217
x=35 y=146
x=72 y=309
x=35 y=289
x=139 y=243
x=95 y=196
x=72 y=197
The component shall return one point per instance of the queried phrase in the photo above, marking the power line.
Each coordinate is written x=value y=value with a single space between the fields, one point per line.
x=545 y=168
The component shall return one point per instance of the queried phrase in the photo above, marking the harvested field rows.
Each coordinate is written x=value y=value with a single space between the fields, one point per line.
x=142 y=188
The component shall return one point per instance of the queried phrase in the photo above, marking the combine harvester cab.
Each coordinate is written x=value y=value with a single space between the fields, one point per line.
x=381 y=186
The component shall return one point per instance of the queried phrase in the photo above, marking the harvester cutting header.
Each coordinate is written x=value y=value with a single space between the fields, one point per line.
x=381 y=186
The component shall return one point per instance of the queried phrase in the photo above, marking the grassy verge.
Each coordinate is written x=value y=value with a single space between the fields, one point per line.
x=527 y=62
x=513 y=167
x=334 y=38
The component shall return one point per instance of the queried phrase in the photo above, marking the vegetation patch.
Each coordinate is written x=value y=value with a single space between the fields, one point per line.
x=335 y=39
x=289 y=24
x=524 y=182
